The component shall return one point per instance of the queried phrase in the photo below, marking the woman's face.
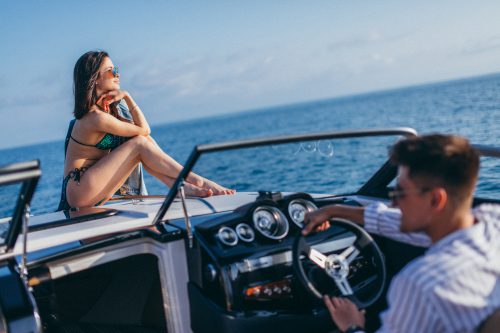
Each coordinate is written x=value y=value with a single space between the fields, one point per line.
x=108 y=79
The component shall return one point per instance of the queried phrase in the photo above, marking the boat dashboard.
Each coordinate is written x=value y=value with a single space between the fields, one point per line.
x=241 y=266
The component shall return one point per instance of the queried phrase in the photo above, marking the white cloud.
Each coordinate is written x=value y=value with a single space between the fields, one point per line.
x=380 y=58
x=37 y=91
x=484 y=45
x=370 y=38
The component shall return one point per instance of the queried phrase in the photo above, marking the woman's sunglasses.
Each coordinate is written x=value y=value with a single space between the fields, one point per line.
x=115 y=71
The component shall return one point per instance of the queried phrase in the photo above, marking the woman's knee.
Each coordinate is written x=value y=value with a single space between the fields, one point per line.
x=137 y=141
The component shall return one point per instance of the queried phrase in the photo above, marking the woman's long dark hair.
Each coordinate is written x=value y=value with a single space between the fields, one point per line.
x=85 y=76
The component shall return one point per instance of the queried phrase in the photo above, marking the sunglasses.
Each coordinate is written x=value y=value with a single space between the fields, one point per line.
x=115 y=71
x=398 y=193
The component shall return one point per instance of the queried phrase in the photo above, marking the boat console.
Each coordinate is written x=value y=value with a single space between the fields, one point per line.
x=242 y=273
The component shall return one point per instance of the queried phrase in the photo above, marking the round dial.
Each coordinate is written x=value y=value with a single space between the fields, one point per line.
x=270 y=222
x=298 y=208
x=227 y=236
x=245 y=232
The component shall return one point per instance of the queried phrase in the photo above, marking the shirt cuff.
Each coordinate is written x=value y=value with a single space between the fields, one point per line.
x=371 y=217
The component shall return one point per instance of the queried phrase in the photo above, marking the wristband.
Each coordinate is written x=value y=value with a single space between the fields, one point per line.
x=355 y=329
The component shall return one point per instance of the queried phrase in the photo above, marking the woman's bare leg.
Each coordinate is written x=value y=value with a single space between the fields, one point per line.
x=103 y=179
x=190 y=189
x=106 y=176
x=192 y=178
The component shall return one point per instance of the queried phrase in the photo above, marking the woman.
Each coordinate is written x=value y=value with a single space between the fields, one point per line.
x=97 y=160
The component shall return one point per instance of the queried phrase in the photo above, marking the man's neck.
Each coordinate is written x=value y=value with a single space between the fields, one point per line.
x=450 y=221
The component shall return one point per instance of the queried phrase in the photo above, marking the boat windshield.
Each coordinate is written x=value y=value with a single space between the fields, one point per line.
x=333 y=166
x=8 y=195
x=489 y=177
x=334 y=163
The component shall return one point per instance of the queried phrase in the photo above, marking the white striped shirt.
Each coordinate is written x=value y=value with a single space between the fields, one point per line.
x=454 y=287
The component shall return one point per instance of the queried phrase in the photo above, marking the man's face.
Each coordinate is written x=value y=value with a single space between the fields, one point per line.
x=414 y=200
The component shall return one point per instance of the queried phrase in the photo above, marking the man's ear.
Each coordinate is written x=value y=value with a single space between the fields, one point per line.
x=439 y=198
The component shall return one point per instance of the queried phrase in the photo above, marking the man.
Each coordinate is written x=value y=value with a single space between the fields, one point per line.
x=455 y=286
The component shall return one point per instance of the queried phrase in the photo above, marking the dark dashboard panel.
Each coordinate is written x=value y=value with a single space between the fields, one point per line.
x=208 y=232
x=253 y=276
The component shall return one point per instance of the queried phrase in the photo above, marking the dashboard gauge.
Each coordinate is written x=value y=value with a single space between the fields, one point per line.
x=245 y=232
x=270 y=222
x=227 y=236
x=298 y=208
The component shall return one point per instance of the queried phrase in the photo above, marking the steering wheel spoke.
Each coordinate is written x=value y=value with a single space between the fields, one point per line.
x=350 y=254
x=344 y=286
x=317 y=257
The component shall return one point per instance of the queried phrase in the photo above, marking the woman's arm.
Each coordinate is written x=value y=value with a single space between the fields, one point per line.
x=107 y=123
x=102 y=122
x=137 y=115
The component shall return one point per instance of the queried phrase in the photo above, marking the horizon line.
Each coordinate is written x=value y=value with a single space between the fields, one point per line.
x=275 y=107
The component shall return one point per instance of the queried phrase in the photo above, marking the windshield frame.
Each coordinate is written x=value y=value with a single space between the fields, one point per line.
x=27 y=174
x=232 y=145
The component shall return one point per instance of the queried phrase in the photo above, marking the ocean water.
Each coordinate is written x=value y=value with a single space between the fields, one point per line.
x=469 y=107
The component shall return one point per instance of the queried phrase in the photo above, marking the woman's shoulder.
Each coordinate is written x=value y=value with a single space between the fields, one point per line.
x=95 y=115
x=94 y=118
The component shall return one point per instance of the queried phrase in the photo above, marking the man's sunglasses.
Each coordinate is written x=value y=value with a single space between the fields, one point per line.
x=398 y=193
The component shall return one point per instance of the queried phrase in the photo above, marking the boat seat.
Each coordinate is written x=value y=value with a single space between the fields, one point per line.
x=491 y=324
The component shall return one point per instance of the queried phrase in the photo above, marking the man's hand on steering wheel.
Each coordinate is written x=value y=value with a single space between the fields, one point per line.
x=317 y=220
x=344 y=310
x=344 y=313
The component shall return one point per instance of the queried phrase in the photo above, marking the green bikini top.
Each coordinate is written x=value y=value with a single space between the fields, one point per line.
x=109 y=141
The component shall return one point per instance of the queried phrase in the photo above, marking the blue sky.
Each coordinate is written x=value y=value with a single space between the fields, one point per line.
x=184 y=60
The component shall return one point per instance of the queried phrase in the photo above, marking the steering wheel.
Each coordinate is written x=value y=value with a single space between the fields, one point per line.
x=338 y=266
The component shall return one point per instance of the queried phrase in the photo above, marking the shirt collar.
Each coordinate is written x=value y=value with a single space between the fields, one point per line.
x=477 y=227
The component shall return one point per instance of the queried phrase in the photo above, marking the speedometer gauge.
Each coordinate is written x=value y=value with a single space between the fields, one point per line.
x=270 y=222
x=298 y=208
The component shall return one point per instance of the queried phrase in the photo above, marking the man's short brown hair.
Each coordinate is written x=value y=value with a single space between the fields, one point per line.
x=448 y=161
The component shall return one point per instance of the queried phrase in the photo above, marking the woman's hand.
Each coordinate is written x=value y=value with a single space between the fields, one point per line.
x=110 y=97
x=117 y=95
x=114 y=96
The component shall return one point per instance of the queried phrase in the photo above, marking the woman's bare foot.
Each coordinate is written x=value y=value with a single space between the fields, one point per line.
x=216 y=188
x=202 y=182
x=195 y=191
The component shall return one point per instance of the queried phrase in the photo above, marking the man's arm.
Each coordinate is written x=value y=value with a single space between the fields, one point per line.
x=377 y=219
x=320 y=217
x=409 y=311
x=386 y=221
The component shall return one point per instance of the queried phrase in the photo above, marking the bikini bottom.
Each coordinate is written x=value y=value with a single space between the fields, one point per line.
x=76 y=176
